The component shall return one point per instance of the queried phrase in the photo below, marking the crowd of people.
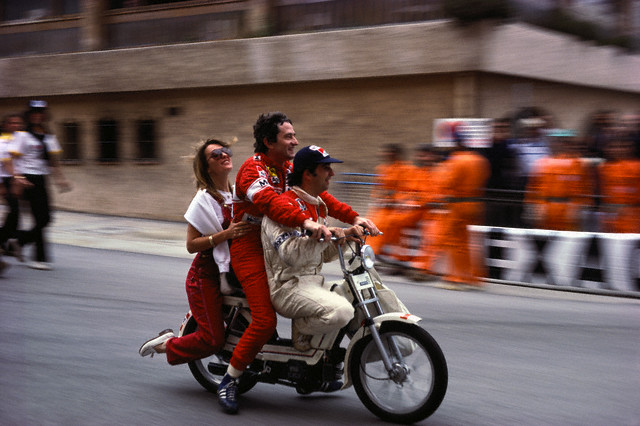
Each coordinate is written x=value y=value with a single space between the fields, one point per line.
x=533 y=175
x=29 y=153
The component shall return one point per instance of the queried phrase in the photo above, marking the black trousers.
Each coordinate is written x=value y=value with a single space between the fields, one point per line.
x=38 y=199
x=10 y=225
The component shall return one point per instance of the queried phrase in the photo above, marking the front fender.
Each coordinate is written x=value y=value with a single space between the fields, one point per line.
x=186 y=319
x=364 y=332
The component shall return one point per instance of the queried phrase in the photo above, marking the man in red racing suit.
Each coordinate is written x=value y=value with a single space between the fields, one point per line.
x=259 y=183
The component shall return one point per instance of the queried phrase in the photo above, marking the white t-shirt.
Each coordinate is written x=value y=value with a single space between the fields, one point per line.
x=5 y=142
x=30 y=153
x=199 y=215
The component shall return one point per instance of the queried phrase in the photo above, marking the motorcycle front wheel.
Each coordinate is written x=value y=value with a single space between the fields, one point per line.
x=209 y=371
x=417 y=383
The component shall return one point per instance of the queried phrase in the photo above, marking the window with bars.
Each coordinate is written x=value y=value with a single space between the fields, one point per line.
x=71 y=149
x=146 y=141
x=108 y=141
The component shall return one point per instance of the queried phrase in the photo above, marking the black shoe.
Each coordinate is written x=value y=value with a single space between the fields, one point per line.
x=326 y=387
x=227 y=394
x=336 y=385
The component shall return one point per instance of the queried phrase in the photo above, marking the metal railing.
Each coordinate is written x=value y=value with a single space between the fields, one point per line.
x=504 y=207
x=198 y=20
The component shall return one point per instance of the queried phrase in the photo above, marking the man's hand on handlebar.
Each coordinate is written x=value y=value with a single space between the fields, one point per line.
x=317 y=230
x=366 y=223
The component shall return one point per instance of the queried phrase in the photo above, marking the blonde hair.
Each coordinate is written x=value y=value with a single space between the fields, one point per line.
x=201 y=167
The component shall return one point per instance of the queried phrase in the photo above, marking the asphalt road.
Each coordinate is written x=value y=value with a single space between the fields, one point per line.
x=516 y=355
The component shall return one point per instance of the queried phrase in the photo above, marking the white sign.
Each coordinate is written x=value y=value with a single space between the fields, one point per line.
x=474 y=132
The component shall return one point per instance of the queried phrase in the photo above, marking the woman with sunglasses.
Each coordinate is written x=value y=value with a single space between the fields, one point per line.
x=209 y=233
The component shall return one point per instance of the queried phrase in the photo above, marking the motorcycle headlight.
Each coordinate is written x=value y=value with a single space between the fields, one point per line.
x=368 y=257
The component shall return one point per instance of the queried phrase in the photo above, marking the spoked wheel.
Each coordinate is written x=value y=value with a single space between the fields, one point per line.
x=417 y=383
x=209 y=371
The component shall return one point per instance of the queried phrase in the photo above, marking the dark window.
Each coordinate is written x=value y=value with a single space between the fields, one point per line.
x=146 y=140
x=119 y=4
x=108 y=140
x=37 y=9
x=70 y=142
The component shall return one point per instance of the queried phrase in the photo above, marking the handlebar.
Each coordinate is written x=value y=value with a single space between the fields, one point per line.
x=366 y=232
x=308 y=233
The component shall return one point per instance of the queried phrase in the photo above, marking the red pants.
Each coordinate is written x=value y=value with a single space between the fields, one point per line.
x=205 y=301
x=247 y=259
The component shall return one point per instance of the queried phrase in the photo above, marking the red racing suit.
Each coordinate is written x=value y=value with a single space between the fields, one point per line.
x=259 y=185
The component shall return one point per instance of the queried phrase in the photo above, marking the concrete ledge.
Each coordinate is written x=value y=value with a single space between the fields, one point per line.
x=395 y=50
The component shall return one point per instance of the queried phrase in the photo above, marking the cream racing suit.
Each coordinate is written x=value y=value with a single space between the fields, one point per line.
x=294 y=265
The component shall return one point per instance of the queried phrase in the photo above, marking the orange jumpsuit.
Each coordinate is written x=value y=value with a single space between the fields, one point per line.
x=620 y=187
x=389 y=197
x=433 y=217
x=409 y=207
x=465 y=175
x=558 y=190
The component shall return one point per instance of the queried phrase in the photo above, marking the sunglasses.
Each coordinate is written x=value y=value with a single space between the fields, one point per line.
x=217 y=153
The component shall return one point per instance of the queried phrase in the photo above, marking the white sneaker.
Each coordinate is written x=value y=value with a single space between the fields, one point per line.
x=42 y=266
x=148 y=347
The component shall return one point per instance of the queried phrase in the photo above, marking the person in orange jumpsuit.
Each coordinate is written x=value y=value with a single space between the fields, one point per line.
x=464 y=176
x=620 y=187
x=559 y=186
x=390 y=196
x=433 y=214
x=410 y=201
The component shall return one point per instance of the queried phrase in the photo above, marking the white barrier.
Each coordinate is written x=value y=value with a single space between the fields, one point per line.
x=566 y=259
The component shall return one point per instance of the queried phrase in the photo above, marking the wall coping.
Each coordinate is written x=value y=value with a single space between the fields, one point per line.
x=395 y=50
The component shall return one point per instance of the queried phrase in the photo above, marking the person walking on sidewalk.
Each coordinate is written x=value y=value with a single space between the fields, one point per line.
x=12 y=185
x=209 y=234
x=36 y=153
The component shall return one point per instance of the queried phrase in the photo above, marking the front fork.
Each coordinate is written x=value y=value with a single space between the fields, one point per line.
x=395 y=369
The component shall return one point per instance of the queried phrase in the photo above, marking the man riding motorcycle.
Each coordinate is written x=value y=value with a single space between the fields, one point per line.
x=294 y=263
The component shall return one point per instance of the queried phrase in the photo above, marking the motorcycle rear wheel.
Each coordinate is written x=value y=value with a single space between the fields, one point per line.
x=209 y=371
x=421 y=376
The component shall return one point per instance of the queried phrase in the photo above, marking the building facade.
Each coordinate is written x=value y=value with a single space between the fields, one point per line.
x=130 y=117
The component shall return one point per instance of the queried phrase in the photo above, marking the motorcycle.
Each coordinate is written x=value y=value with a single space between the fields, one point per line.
x=396 y=368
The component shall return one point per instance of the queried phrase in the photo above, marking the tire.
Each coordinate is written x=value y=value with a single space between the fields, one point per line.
x=208 y=377
x=422 y=380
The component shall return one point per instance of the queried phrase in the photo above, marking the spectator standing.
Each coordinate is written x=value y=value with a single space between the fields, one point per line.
x=620 y=187
x=209 y=234
x=391 y=196
x=465 y=174
x=433 y=212
x=601 y=130
x=559 y=186
x=501 y=209
x=36 y=152
x=631 y=123
x=531 y=145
